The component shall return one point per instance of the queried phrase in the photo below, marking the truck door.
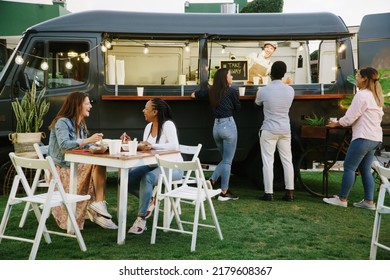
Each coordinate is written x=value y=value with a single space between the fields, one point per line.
x=61 y=65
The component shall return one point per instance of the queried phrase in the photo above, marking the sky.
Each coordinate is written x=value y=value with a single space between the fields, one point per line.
x=351 y=11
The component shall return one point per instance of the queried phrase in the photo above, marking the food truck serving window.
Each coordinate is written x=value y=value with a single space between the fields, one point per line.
x=152 y=62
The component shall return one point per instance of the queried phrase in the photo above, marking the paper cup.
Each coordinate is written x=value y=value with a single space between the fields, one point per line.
x=114 y=147
x=140 y=91
x=241 y=90
x=133 y=147
x=256 y=80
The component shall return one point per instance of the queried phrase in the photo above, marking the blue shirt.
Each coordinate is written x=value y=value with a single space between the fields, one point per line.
x=63 y=137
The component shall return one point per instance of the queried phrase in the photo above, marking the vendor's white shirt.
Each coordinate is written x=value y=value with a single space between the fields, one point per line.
x=260 y=59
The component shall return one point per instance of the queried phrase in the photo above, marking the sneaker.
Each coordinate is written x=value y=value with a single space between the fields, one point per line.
x=227 y=196
x=288 y=196
x=335 y=200
x=151 y=206
x=101 y=221
x=100 y=208
x=363 y=204
x=267 y=197
x=104 y=222
x=139 y=226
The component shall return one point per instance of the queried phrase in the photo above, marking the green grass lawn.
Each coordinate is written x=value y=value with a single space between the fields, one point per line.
x=306 y=229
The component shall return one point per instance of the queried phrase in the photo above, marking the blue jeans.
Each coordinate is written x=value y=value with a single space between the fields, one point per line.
x=225 y=137
x=359 y=156
x=142 y=180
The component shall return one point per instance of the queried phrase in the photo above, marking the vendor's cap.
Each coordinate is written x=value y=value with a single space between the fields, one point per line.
x=272 y=43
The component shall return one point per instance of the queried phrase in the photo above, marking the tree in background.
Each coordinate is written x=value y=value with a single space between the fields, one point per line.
x=264 y=6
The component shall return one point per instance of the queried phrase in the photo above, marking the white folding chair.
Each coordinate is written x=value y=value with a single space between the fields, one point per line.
x=200 y=193
x=381 y=209
x=55 y=196
x=193 y=153
x=41 y=152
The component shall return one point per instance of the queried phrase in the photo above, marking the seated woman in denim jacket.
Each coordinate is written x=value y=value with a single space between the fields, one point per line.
x=68 y=131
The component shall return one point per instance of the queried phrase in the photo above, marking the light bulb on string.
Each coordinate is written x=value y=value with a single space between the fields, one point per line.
x=69 y=65
x=44 y=65
x=19 y=59
x=103 y=48
x=341 y=48
x=300 y=48
x=107 y=44
x=223 y=49
x=146 y=49
x=85 y=58
x=187 y=47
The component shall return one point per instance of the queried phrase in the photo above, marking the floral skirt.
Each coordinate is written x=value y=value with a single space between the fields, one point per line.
x=84 y=186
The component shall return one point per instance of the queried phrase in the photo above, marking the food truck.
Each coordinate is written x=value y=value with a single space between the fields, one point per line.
x=109 y=54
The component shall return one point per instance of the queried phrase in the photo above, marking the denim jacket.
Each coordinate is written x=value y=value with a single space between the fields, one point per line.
x=63 y=137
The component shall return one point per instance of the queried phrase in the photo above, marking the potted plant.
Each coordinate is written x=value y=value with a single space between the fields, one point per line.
x=29 y=114
x=314 y=127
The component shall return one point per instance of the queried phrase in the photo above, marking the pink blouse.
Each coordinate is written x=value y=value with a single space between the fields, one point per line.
x=365 y=117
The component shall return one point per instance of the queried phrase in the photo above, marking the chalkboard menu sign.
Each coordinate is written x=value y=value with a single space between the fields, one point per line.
x=238 y=68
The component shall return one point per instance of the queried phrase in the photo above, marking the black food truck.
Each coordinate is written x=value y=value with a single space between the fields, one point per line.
x=108 y=54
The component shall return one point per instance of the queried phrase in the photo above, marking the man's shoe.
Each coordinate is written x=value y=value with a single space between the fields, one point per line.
x=100 y=208
x=363 y=204
x=227 y=196
x=335 y=200
x=139 y=226
x=151 y=206
x=289 y=195
x=267 y=197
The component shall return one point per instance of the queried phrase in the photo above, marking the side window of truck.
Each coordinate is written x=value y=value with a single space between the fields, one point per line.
x=69 y=64
x=55 y=64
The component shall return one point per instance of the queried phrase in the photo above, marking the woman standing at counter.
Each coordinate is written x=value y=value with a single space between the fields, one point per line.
x=365 y=116
x=224 y=101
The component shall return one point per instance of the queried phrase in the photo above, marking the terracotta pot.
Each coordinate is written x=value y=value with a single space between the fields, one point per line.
x=310 y=131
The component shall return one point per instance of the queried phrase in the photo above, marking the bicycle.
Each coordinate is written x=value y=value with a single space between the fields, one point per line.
x=321 y=165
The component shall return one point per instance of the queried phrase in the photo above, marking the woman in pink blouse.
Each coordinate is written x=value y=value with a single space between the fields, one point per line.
x=365 y=117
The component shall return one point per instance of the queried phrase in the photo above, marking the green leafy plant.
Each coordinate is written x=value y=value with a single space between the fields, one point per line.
x=384 y=80
x=30 y=111
x=314 y=120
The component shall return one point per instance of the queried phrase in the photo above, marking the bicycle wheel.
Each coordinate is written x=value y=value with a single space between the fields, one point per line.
x=320 y=176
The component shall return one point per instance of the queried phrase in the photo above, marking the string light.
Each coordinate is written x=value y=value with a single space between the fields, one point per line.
x=19 y=59
x=146 y=49
x=69 y=65
x=223 y=49
x=187 y=47
x=86 y=58
x=107 y=44
x=103 y=48
x=342 y=48
x=44 y=65
x=300 y=48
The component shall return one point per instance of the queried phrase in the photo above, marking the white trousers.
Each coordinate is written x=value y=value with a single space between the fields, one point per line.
x=268 y=144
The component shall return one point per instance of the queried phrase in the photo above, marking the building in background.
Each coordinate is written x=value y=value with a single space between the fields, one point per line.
x=229 y=7
x=12 y=27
